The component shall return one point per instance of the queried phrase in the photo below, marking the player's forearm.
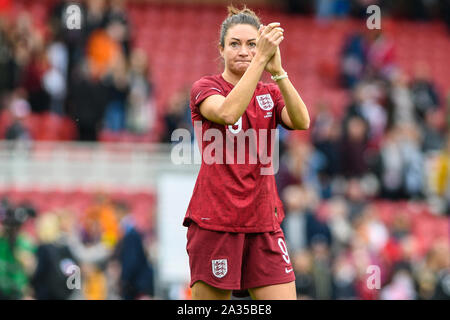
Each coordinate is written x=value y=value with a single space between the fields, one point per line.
x=296 y=108
x=239 y=98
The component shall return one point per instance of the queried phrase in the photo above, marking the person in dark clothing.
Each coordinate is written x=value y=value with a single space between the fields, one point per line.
x=301 y=226
x=87 y=103
x=353 y=147
x=424 y=94
x=326 y=135
x=353 y=60
x=136 y=278
x=177 y=115
x=49 y=280
x=117 y=84
x=304 y=281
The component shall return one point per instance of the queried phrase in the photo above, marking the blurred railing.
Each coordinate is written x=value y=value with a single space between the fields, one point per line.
x=66 y=165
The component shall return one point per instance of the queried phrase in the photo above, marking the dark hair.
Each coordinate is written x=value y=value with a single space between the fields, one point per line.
x=236 y=16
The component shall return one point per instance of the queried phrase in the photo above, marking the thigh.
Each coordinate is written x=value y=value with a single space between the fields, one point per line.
x=203 y=291
x=215 y=258
x=282 y=291
x=267 y=265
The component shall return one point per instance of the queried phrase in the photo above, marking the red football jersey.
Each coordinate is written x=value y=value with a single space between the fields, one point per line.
x=231 y=194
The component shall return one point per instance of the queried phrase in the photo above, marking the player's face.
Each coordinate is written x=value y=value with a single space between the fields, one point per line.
x=239 y=47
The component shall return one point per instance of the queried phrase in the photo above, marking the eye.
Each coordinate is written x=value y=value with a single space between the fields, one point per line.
x=252 y=44
x=234 y=44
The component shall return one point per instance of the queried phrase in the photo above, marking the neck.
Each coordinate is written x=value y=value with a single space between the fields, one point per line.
x=231 y=77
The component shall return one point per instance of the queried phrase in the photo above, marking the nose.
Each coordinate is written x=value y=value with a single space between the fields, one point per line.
x=243 y=51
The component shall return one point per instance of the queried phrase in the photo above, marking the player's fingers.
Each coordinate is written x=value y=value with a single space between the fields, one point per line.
x=278 y=41
x=275 y=33
x=270 y=26
x=274 y=24
x=278 y=29
x=277 y=38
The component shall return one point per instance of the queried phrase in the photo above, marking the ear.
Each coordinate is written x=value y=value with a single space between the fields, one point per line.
x=220 y=50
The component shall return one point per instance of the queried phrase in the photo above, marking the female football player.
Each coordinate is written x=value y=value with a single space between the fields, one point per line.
x=234 y=237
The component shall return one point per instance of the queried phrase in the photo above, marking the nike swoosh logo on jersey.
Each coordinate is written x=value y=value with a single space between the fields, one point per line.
x=288 y=270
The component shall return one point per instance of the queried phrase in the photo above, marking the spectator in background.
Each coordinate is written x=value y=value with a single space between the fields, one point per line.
x=94 y=245
x=402 y=163
x=178 y=114
x=359 y=7
x=54 y=259
x=136 y=277
x=141 y=110
x=17 y=250
x=380 y=54
x=87 y=101
x=353 y=60
x=344 y=277
x=116 y=15
x=96 y=18
x=440 y=177
x=304 y=281
x=321 y=270
x=402 y=111
x=339 y=222
x=377 y=234
x=353 y=148
x=300 y=165
x=19 y=109
x=401 y=226
x=401 y=286
x=391 y=166
x=301 y=225
x=357 y=198
x=372 y=109
x=433 y=129
x=432 y=273
x=424 y=94
x=103 y=50
x=32 y=58
x=326 y=9
x=442 y=270
x=117 y=84
x=73 y=39
x=326 y=135
x=361 y=258
x=55 y=77
x=7 y=61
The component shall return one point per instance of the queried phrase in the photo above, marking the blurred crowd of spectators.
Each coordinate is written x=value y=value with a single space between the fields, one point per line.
x=91 y=74
x=100 y=254
x=332 y=252
x=393 y=144
x=417 y=10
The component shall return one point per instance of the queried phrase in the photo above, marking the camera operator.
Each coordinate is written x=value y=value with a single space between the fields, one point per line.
x=17 y=260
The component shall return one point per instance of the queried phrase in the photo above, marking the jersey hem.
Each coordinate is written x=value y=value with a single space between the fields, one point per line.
x=235 y=229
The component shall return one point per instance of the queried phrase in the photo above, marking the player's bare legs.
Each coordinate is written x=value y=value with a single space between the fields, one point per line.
x=283 y=291
x=203 y=291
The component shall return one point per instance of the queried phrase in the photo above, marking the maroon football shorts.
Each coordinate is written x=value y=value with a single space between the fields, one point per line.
x=238 y=261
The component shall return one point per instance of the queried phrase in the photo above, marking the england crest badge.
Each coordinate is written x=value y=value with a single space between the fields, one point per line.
x=265 y=101
x=219 y=268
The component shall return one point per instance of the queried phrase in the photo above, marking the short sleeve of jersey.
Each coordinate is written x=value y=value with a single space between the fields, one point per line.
x=202 y=89
x=279 y=104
